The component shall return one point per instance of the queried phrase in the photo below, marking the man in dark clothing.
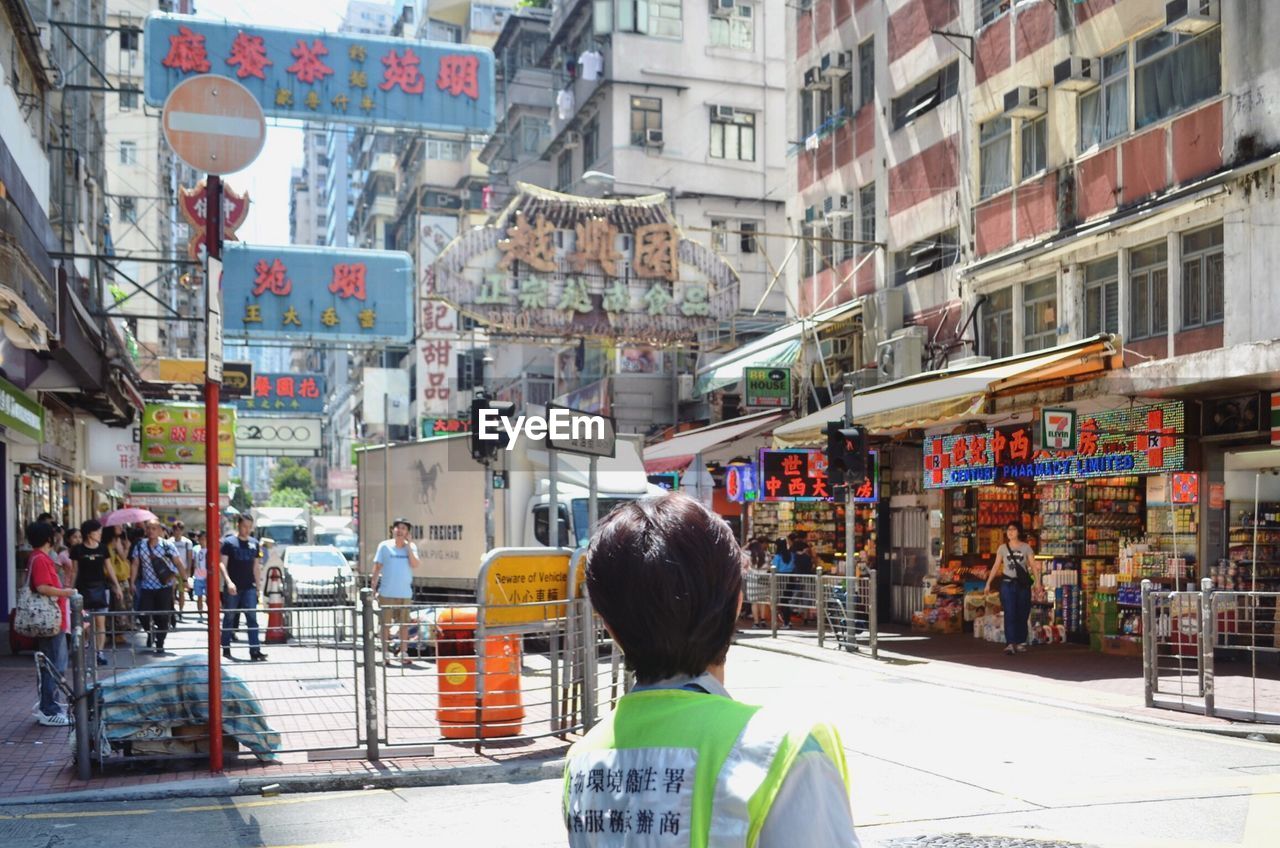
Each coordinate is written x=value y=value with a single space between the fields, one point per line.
x=242 y=577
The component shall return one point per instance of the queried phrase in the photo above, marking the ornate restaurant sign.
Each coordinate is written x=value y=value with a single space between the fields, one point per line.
x=560 y=265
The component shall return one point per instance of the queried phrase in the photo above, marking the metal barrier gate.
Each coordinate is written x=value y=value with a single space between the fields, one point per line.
x=843 y=609
x=1211 y=652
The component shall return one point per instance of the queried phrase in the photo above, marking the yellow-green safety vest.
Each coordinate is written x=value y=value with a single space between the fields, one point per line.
x=675 y=767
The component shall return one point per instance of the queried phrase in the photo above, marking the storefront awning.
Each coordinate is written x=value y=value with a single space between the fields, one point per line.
x=936 y=397
x=675 y=454
x=781 y=348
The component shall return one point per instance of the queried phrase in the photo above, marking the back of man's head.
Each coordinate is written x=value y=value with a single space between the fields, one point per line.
x=666 y=576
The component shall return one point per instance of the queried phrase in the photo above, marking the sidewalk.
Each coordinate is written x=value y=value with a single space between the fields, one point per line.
x=313 y=700
x=1069 y=676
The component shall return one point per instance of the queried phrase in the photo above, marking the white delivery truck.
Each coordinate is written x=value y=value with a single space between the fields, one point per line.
x=284 y=526
x=336 y=530
x=440 y=489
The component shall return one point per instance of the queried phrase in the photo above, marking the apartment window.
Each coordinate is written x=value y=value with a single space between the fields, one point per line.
x=926 y=257
x=564 y=170
x=1102 y=297
x=441 y=31
x=1104 y=111
x=590 y=142
x=747 y=236
x=1149 y=291
x=1040 y=314
x=733 y=134
x=844 y=95
x=806 y=113
x=534 y=133
x=449 y=151
x=848 y=234
x=827 y=247
x=646 y=114
x=926 y=96
x=810 y=249
x=866 y=72
x=1173 y=72
x=129 y=39
x=735 y=30
x=128 y=153
x=826 y=101
x=867 y=217
x=1202 y=279
x=989 y=10
x=997 y=324
x=995 y=139
x=529 y=53
x=719 y=235
x=128 y=209
x=128 y=97
x=650 y=17
x=486 y=18
x=1033 y=146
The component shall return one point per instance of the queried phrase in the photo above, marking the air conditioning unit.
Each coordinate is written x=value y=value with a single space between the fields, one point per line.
x=572 y=139
x=1077 y=74
x=836 y=64
x=722 y=8
x=686 y=387
x=1191 y=17
x=724 y=113
x=902 y=355
x=881 y=318
x=1025 y=102
x=653 y=138
x=813 y=79
x=838 y=206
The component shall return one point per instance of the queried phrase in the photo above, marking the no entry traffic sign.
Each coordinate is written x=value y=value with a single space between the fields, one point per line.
x=214 y=124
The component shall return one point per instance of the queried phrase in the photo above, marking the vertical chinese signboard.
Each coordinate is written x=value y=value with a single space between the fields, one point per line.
x=557 y=265
x=175 y=433
x=1132 y=440
x=322 y=76
x=354 y=296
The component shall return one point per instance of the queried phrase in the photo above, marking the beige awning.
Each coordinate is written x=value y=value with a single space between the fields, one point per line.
x=937 y=397
x=676 y=453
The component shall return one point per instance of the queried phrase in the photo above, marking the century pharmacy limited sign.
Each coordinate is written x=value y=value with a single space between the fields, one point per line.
x=560 y=265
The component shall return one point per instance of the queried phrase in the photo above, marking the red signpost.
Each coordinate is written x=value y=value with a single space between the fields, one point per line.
x=214 y=124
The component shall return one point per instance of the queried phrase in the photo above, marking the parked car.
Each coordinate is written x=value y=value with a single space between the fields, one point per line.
x=318 y=574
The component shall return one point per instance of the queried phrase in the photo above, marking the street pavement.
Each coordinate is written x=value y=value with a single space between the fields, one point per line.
x=932 y=765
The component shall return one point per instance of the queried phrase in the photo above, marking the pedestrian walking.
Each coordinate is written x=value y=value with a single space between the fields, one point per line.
x=43 y=574
x=783 y=563
x=200 y=571
x=154 y=574
x=692 y=765
x=96 y=582
x=1013 y=569
x=758 y=582
x=241 y=572
x=392 y=581
x=184 y=546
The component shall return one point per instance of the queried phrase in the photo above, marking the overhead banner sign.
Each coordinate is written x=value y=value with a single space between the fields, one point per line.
x=285 y=393
x=766 y=387
x=327 y=77
x=337 y=295
x=279 y=436
x=559 y=265
x=175 y=433
x=1136 y=440
x=798 y=474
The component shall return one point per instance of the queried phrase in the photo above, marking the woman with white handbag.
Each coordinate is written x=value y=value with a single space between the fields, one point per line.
x=45 y=583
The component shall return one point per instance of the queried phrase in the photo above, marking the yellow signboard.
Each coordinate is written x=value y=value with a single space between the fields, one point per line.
x=516 y=585
x=236 y=376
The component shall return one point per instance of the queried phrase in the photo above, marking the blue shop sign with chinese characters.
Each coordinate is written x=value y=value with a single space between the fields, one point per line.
x=322 y=76
x=355 y=296
x=291 y=393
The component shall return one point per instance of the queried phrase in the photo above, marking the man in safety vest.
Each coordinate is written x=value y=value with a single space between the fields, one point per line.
x=679 y=762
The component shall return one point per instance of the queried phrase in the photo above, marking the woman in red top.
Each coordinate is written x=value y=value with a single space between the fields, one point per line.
x=45 y=580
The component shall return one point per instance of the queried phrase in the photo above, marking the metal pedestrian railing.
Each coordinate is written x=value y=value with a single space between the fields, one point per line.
x=843 y=610
x=1212 y=652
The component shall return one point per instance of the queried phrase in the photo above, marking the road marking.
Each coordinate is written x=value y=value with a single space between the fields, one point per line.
x=1263 y=820
x=201 y=808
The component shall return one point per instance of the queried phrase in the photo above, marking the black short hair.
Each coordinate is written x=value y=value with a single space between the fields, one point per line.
x=665 y=574
x=244 y=519
x=46 y=517
x=89 y=525
x=39 y=534
x=1017 y=525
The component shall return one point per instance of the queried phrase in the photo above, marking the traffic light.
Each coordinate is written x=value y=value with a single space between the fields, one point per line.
x=846 y=453
x=484 y=450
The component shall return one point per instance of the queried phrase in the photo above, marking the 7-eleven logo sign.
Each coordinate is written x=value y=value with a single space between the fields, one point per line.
x=1058 y=429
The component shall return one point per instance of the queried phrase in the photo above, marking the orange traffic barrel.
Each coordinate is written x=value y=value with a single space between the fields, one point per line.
x=502 y=706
